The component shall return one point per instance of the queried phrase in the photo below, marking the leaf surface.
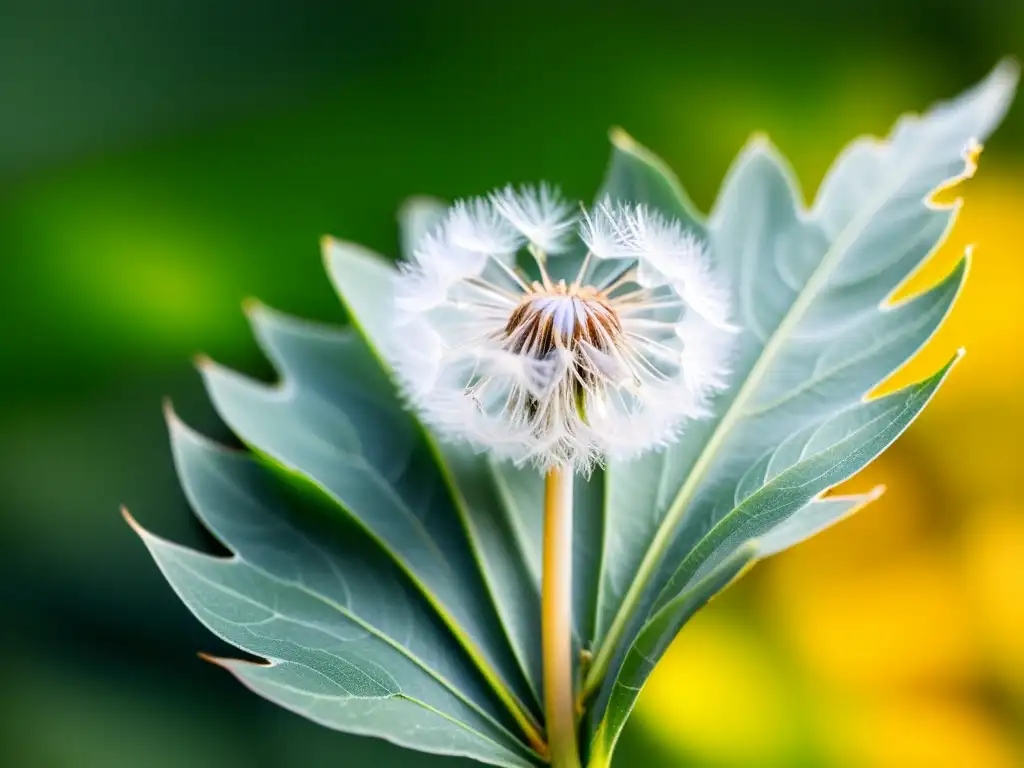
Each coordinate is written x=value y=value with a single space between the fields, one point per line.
x=778 y=514
x=337 y=421
x=810 y=294
x=650 y=645
x=324 y=661
x=364 y=282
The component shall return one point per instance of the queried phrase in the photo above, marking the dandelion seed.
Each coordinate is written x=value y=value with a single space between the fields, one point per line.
x=538 y=212
x=611 y=363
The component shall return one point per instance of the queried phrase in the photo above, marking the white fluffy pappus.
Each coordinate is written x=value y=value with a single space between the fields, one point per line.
x=491 y=349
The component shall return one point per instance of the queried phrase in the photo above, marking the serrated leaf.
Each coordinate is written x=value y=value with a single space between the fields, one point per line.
x=364 y=283
x=503 y=515
x=325 y=663
x=777 y=515
x=298 y=538
x=336 y=420
x=392 y=580
x=810 y=291
x=812 y=519
x=830 y=452
x=651 y=643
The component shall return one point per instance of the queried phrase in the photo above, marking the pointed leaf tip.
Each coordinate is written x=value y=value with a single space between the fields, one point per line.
x=327 y=245
x=760 y=144
x=875 y=493
x=760 y=139
x=334 y=249
x=132 y=522
x=948 y=194
x=251 y=305
x=147 y=537
x=413 y=202
x=168 y=410
x=620 y=138
x=1008 y=70
x=635 y=174
x=179 y=430
x=226 y=663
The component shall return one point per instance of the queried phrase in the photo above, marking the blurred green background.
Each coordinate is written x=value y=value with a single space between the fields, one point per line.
x=161 y=161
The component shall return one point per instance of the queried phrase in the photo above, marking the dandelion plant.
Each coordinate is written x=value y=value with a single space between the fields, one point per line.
x=472 y=522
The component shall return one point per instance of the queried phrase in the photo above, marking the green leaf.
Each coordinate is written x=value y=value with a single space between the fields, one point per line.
x=817 y=334
x=814 y=518
x=336 y=420
x=416 y=218
x=299 y=538
x=651 y=643
x=392 y=580
x=777 y=515
x=324 y=661
x=637 y=174
x=364 y=282
x=803 y=466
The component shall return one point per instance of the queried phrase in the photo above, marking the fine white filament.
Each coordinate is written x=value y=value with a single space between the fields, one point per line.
x=611 y=359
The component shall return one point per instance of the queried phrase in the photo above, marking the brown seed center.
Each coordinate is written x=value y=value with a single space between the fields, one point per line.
x=561 y=316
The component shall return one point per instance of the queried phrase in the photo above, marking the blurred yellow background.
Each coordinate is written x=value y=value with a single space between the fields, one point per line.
x=896 y=638
x=160 y=162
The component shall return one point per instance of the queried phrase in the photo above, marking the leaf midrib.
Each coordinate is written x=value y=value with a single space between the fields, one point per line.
x=466 y=518
x=350 y=616
x=519 y=710
x=603 y=740
x=399 y=696
x=734 y=413
x=890 y=415
x=284 y=394
x=849 y=362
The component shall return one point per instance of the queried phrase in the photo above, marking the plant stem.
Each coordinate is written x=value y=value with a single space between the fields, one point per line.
x=556 y=620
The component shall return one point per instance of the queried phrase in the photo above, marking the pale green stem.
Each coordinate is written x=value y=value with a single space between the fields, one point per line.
x=556 y=620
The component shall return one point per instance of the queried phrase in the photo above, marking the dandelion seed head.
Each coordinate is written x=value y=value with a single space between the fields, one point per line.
x=560 y=372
